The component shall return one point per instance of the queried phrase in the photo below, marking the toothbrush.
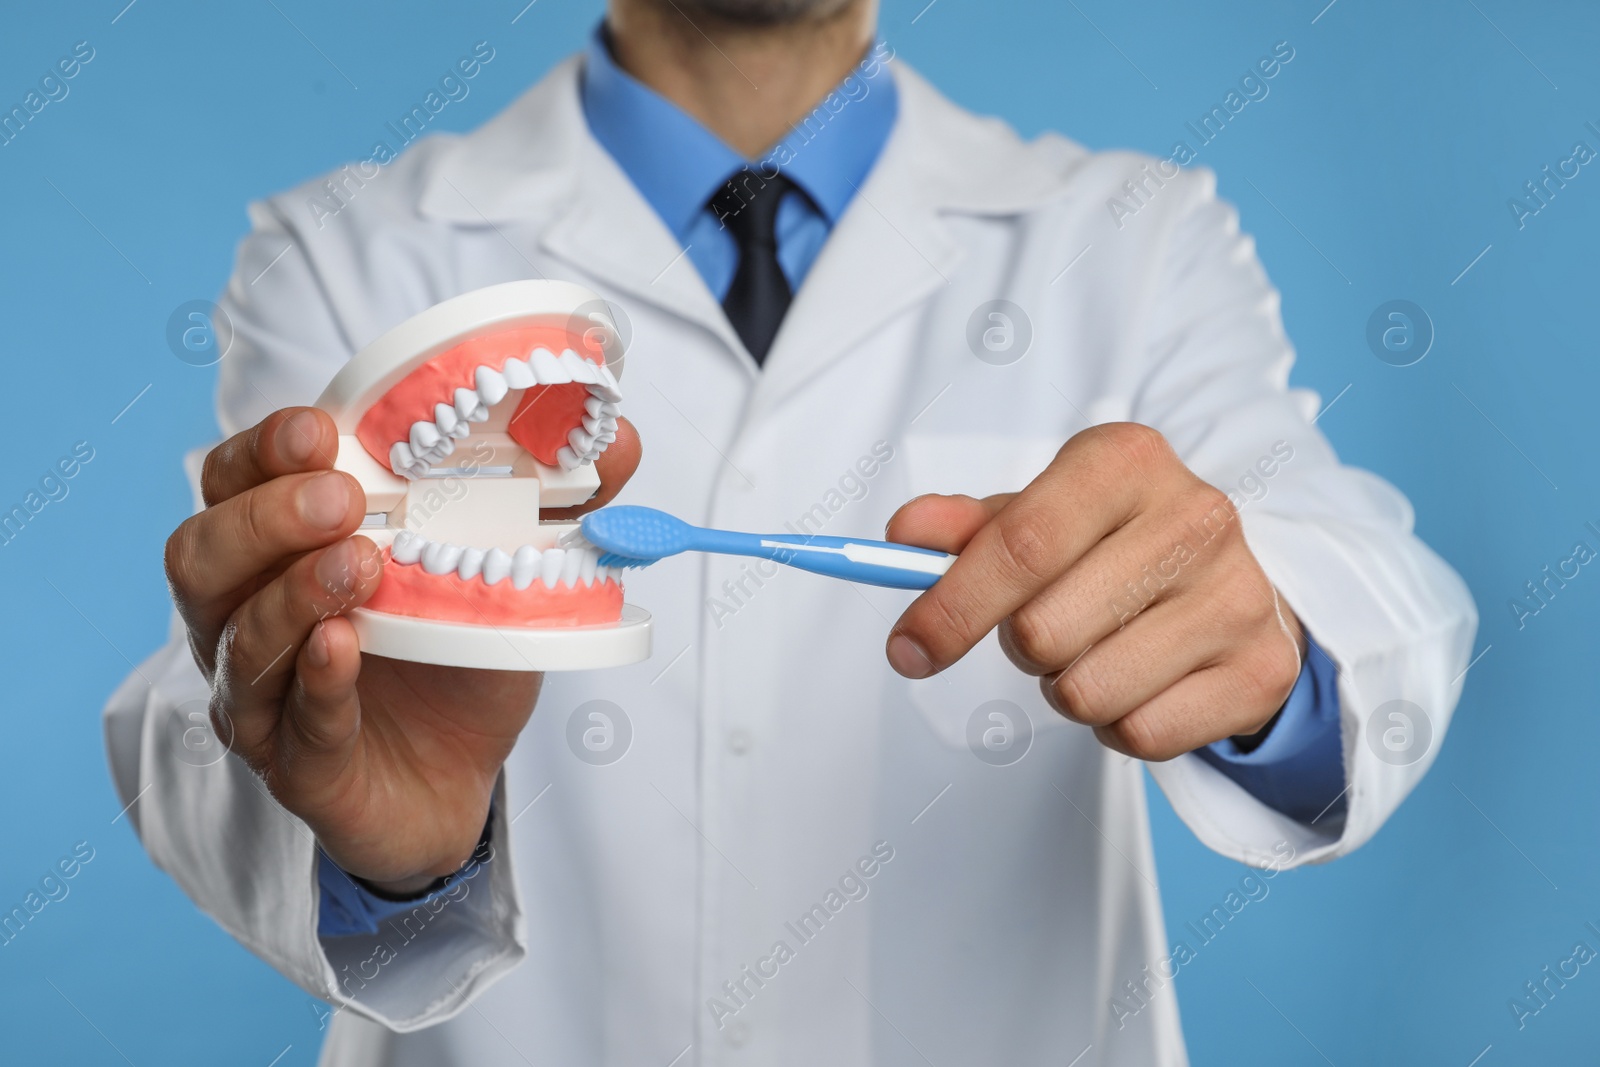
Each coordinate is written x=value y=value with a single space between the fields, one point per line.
x=633 y=536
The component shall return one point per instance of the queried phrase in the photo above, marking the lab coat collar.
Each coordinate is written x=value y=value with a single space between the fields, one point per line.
x=892 y=249
x=537 y=165
x=516 y=166
x=520 y=163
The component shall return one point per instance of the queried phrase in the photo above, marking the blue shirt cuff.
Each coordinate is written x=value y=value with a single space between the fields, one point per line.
x=348 y=908
x=1299 y=768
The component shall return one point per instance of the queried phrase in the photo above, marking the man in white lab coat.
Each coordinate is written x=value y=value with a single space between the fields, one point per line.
x=786 y=851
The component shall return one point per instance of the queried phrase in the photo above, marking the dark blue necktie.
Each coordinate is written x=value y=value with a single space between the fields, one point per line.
x=759 y=296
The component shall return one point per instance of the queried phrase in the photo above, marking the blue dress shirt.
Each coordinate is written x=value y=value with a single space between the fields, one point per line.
x=1298 y=768
x=678 y=165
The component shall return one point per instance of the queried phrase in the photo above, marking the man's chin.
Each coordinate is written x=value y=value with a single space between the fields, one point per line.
x=764 y=12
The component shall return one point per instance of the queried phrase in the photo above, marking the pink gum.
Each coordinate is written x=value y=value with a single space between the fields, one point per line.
x=412 y=591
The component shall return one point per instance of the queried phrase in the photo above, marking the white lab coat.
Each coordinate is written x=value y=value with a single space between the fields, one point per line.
x=771 y=746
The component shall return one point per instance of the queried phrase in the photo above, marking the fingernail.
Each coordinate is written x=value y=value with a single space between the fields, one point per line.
x=297 y=437
x=317 y=648
x=336 y=569
x=907 y=658
x=324 y=500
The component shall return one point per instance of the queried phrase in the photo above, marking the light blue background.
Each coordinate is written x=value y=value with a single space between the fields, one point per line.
x=1392 y=142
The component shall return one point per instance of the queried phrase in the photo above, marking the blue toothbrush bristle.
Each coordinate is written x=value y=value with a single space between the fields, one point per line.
x=611 y=559
x=633 y=536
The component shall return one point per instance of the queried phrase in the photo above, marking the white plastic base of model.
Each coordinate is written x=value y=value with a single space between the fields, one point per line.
x=505 y=648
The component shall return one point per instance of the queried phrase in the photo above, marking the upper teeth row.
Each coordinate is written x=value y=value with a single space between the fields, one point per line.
x=432 y=440
x=553 y=566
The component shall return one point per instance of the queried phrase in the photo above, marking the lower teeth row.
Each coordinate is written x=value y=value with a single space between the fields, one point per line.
x=552 y=566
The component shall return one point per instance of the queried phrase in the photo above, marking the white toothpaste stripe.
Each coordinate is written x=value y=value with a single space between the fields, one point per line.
x=877 y=556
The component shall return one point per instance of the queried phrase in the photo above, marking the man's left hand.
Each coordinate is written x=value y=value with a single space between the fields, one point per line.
x=1123 y=582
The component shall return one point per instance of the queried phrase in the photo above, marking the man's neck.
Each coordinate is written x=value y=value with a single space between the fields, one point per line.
x=748 y=84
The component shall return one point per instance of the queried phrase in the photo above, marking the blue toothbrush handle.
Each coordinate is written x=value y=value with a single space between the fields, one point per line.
x=851 y=558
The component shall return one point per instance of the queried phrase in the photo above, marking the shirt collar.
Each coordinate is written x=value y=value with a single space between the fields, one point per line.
x=677 y=164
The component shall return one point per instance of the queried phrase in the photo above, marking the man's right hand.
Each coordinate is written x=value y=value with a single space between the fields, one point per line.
x=392 y=764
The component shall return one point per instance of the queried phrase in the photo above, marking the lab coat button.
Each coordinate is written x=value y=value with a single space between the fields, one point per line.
x=739 y=741
x=737 y=1034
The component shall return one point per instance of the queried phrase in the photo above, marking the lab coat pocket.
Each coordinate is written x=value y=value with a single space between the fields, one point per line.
x=981 y=702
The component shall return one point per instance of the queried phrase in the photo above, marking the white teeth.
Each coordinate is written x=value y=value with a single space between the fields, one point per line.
x=550 y=566
x=547 y=368
x=427 y=447
x=441 y=557
x=471 y=564
x=554 y=567
x=401 y=458
x=496 y=566
x=571 y=567
x=524 y=566
x=606 y=388
x=428 y=443
x=585 y=444
x=469 y=405
x=596 y=408
x=424 y=436
x=407 y=547
x=444 y=417
x=491 y=386
x=517 y=374
x=580 y=369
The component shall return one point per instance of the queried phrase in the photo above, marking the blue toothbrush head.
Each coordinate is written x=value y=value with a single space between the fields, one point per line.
x=633 y=536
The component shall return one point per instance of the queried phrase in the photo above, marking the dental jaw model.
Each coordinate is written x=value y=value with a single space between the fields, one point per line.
x=461 y=424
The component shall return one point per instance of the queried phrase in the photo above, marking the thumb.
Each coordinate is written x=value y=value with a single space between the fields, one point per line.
x=945 y=523
x=615 y=466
